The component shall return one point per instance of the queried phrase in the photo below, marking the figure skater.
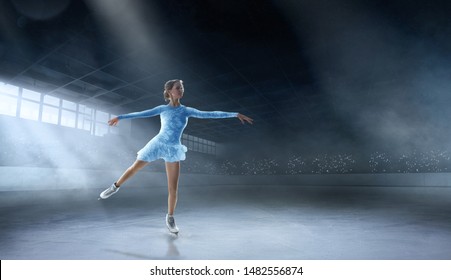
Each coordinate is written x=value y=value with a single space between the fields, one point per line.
x=166 y=144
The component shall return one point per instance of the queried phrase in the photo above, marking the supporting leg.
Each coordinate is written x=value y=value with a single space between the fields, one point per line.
x=173 y=173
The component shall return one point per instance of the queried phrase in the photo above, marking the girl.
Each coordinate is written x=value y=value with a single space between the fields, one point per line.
x=166 y=144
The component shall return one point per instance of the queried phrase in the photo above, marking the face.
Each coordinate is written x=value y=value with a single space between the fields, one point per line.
x=177 y=90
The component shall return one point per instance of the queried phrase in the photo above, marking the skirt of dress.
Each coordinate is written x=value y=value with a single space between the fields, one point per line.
x=155 y=149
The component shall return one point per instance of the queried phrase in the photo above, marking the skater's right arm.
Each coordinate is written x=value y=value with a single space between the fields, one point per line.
x=144 y=114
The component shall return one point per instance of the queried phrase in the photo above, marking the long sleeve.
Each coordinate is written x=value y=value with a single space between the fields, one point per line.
x=144 y=114
x=209 y=115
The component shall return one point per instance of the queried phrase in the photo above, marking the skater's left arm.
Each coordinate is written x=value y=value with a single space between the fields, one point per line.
x=217 y=115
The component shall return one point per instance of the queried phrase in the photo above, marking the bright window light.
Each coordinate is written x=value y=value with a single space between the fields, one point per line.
x=68 y=118
x=54 y=110
x=69 y=105
x=84 y=123
x=51 y=100
x=50 y=114
x=8 y=105
x=29 y=110
x=84 y=110
x=9 y=89
x=31 y=95
x=101 y=116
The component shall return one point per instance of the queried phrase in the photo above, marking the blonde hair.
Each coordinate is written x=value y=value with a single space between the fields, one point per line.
x=168 y=86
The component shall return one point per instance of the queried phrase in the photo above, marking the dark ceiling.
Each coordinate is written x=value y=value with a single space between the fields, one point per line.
x=275 y=61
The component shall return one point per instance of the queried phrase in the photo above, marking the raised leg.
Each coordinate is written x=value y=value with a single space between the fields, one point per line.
x=135 y=167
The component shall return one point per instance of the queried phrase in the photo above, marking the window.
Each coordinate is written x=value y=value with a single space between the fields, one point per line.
x=84 y=110
x=31 y=95
x=68 y=113
x=50 y=109
x=8 y=105
x=68 y=118
x=9 y=89
x=101 y=116
x=190 y=145
x=50 y=114
x=69 y=105
x=84 y=122
x=101 y=127
x=35 y=106
x=29 y=105
x=85 y=118
x=50 y=100
x=198 y=144
x=29 y=110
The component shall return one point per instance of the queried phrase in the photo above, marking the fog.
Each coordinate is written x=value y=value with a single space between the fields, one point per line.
x=382 y=74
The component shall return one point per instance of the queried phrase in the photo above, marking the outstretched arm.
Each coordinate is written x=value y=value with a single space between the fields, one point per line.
x=217 y=115
x=209 y=114
x=144 y=114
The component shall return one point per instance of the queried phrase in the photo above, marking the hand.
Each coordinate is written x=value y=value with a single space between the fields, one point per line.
x=244 y=118
x=113 y=122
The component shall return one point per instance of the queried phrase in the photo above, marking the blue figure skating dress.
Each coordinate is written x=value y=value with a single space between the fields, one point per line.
x=166 y=144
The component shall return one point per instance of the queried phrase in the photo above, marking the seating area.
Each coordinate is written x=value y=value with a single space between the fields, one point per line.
x=77 y=150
